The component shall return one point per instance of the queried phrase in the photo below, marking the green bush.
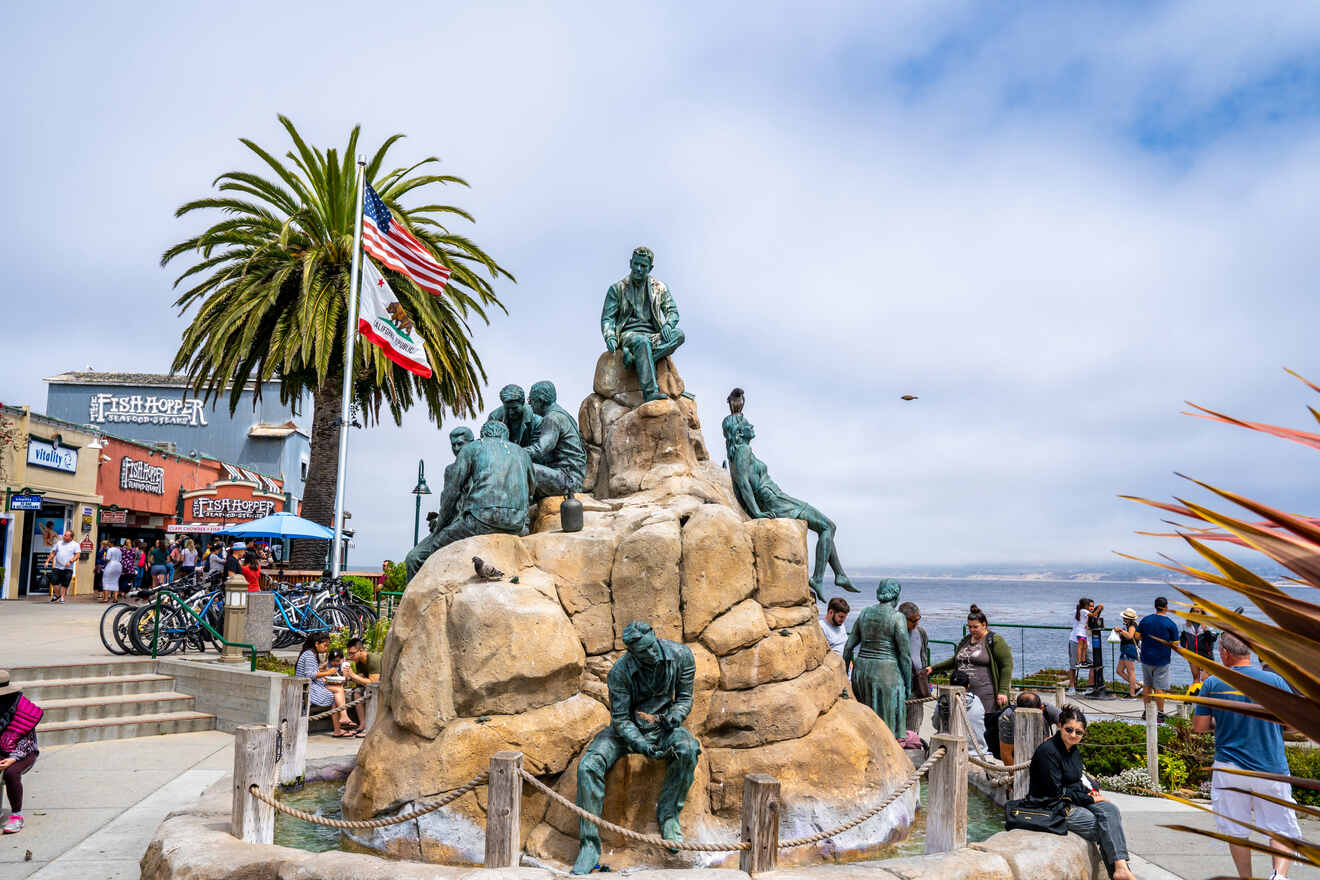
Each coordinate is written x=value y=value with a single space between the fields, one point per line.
x=1110 y=747
x=396 y=576
x=361 y=587
x=1304 y=762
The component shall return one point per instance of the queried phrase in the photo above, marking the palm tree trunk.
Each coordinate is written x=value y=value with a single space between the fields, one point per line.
x=318 y=503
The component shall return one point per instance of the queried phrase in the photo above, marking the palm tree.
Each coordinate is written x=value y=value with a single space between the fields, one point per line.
x=270 y=285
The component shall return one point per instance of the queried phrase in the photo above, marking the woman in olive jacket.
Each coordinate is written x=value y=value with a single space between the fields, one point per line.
x=988 y=661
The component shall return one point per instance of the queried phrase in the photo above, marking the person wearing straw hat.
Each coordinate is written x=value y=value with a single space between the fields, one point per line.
x=18 y=746
x=1127 y=651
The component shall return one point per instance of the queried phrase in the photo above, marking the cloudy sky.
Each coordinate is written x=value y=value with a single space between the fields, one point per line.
x=1053 y=225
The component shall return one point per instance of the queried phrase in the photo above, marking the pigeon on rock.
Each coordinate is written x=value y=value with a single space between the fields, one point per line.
x=485 y=570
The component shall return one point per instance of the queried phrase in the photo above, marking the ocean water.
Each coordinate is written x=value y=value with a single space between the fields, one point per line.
x=944 y=603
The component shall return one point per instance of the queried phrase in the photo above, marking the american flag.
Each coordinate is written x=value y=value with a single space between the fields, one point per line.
x=390 y=242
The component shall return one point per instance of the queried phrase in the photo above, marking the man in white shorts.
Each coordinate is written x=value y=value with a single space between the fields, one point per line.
x=1246 y=743
x=61 y=561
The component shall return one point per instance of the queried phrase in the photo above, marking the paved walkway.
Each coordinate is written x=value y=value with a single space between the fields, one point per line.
x=38 y=633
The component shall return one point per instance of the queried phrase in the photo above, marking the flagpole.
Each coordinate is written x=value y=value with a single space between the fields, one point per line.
x=352 y=322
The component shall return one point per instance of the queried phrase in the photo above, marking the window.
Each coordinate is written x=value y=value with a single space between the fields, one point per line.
x=302 y=469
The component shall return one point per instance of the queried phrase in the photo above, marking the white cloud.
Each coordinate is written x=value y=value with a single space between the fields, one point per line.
x=834 y=238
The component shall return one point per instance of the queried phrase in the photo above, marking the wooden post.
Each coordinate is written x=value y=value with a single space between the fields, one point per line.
x=292 y=726
x=760 y=823
x=957 y=719
x=371 y=706
x=1060 y=695
x=251 y=821
x=1028 y=733
x=946 y=784
x=504 y=810
x=1152 y=741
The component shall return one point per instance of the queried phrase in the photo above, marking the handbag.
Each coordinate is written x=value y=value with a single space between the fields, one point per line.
x=1030 y=815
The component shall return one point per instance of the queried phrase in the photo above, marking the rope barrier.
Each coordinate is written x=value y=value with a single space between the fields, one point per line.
x=984 y=758
x=893 y=796
x=920 y=700
x=653 y=839
x=327 y=713
x=367 y=824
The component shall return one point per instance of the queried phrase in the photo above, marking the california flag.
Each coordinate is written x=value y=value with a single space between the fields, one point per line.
x=382 y=320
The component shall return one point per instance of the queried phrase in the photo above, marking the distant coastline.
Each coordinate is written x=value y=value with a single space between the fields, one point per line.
x=1041 y=578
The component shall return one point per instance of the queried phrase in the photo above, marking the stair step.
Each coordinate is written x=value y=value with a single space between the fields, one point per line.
x=66 y=671
x=93 y=730
x=94 y=686
x=118 y=706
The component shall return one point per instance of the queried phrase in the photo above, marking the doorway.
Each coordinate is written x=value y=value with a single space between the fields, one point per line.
x=46 y=529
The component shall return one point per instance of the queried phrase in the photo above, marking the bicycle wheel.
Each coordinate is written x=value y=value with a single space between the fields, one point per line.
x=119 y=628
x=108 y=628
x=142 y=624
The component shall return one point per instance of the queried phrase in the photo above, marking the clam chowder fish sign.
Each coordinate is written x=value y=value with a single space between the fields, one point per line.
x=42 y=453
x=145 y=409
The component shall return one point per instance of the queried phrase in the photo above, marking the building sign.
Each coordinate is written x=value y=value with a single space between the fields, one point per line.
x=25 y=502
x=112 y=517
x=145 y=409
x=193 y=528
x=141 y=476
x=231 y=508
x=86 y=545
x=58 y=458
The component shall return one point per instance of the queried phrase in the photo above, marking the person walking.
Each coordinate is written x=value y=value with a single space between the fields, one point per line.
x=188 y=559
x=1057 y=774
x=836 y=636
x=987 y=661
x=113 y=571
x=61 y=560
x=919 y=649
x=1155 y=654
x=1127 y=650
x=1246 y=743
x=18 y=746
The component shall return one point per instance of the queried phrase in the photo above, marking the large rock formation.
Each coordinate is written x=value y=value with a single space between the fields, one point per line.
x=473 y=667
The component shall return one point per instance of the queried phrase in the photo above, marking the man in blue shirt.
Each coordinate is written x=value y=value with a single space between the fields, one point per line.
x=1249 y=744
x=1155 y=655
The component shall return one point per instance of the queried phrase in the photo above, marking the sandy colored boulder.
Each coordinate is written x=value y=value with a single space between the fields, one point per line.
x=703 y=687
x=1061 y=857
x=395 y=766
x=589 y=419
x=961 y=864
x=773 y=712
x=813 y=642
x=779 y=618
x=613 y=377
x=740 y=626
x=645 y=580
x=595 y=627
x=776 y=657
x=718 y=570
x=780 y=546
x=451 y=566
x=579 y=562
x=849 y=750
x=512 y=649
x=644 y=443
x=417 y=653
x=632 y=788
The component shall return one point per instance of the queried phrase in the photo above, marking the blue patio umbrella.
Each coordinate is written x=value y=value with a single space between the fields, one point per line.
x=279 y=525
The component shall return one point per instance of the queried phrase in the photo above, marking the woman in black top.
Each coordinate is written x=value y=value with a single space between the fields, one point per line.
x=1056 y=774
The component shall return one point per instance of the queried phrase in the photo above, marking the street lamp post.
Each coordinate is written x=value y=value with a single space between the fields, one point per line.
x=419 y=490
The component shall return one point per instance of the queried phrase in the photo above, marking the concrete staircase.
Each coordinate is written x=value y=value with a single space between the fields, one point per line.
x=85 y=702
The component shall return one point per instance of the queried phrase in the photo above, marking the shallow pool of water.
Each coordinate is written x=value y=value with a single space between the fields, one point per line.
x=322 y=798
x=984 y=818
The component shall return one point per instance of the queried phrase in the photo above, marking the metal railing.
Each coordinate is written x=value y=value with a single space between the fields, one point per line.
x=155 y=628
x=391 y=598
